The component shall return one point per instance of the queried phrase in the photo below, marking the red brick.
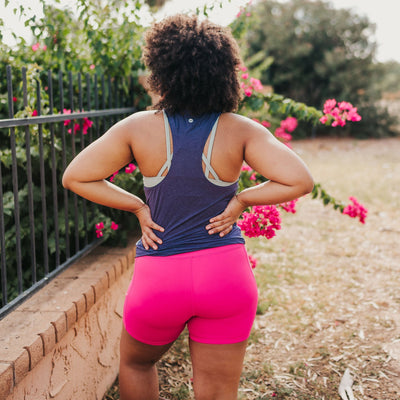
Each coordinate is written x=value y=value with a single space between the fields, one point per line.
x=21 y=366
x=71 y=316
x=118 y=268
x=36 y=352
x=49 y=339
x=80 y=304
x=111 y=276
x=89 y=298
x=60 y=326
x=100 y=287
x=6 y=379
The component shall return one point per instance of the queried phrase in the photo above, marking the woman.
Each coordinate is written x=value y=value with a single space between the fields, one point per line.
x=191 y=266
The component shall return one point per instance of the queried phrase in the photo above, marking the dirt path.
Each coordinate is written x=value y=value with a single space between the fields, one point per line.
x=329 y=287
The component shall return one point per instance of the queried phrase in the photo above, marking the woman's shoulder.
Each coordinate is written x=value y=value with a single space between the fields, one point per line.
x=141 y=122
x=143 y=117
x=241 y=125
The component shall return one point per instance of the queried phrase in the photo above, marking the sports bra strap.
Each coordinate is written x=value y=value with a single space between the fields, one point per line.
x=207 y=160
x=150 y=181
x=167 y=138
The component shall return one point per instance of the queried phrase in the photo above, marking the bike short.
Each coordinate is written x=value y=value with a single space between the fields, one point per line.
x=213 y=292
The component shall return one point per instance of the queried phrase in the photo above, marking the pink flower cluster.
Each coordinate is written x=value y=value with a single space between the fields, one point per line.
x=87 y=123
x=243 y=10
x=36 y=47
x=100 y=227
x=129 y=169
x=253 y=261
x=340 y=112
x=356 y=210
x=285 y=129
x=249 y=84
x=246 y=168
x=265 y=124
x=261 y=221
x=289 y=206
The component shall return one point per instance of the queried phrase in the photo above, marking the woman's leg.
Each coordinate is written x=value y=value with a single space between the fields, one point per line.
x=138 y=379
x=217 y=369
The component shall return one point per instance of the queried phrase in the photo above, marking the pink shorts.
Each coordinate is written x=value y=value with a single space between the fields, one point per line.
x=212 y=291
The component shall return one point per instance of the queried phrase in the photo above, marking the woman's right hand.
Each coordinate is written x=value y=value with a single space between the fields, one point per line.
x=147 y=225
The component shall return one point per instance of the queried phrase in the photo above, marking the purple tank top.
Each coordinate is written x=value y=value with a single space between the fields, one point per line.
x=184 y=200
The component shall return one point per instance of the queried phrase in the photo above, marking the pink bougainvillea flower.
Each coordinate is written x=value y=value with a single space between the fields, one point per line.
x=113 y=176
x=243 y=68
x=323 y=119
x=344 y=111
x=280 y=133
x=344 y=105
x=114 y=226
x=245 y=75
x=34 y=113
x=266 y=124
x=77 y=127
x=14 y=99
x=130 y=168
x=36 y=47
x=87 y=123
x=246 y=168
x=289 y=124
x=289 y=206
x=67 y=121
x=256 y=83
x=248 y=92
x=260 y=221
x=253 y=176
x=44 y=47
x=329 y=105
x=353 y=115
x=253 y=261
x=99 y=226
x=356 y=210
x=92 y=66
x=99 y=234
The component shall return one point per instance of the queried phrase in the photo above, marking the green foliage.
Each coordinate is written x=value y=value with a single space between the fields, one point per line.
x=387 y=78
x=318 y=53
x=70 y=45
x=319 y=192
x=106 y=38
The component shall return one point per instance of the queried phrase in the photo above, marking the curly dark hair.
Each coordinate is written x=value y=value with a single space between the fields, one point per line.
x=193 y=64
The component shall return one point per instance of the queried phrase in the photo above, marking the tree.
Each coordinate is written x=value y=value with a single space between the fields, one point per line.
x=318 y=53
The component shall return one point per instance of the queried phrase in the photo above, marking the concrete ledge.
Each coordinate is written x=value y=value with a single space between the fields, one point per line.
x=63 y=342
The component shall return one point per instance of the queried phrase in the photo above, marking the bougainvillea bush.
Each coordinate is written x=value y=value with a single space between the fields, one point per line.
x=98 y=42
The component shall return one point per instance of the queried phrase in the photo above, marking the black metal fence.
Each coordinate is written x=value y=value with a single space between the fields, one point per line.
x=43 y=227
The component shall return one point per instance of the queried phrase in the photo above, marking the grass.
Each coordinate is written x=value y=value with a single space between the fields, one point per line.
x=328 y=286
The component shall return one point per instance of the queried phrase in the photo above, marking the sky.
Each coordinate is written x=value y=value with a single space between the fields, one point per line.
x=384 y=13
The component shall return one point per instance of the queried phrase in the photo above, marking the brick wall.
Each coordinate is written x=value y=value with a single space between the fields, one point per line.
x=63 y=342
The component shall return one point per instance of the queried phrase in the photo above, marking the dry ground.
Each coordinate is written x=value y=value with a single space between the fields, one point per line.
x=329 y=287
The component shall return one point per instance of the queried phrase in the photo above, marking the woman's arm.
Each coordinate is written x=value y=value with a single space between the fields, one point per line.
x=86 y=176
x=289 y=178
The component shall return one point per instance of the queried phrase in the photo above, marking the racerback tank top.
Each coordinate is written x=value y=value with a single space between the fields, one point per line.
x=184 y=200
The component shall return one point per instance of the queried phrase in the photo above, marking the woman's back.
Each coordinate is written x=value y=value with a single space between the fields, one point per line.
x=149 y=147
x=186 y=191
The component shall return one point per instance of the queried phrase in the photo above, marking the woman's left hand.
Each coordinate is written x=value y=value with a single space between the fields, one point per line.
x=147 y=225
x=223 y=223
